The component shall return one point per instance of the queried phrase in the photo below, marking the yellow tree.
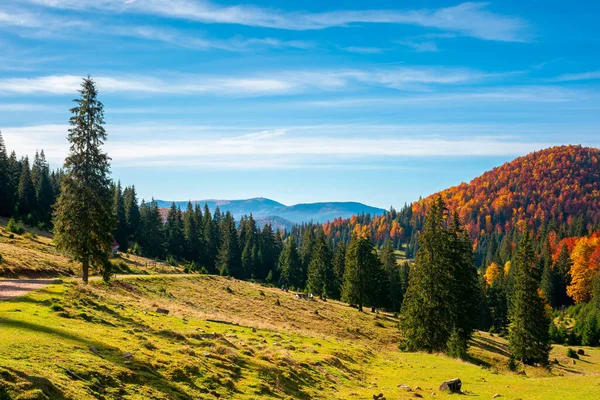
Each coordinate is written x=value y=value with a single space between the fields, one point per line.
x=583 y=270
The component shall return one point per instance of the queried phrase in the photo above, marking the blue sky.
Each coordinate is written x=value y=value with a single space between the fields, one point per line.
x=379 y=102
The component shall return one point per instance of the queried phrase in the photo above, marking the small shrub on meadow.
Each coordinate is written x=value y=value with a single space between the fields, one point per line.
x=15 y=227
x=571 y=353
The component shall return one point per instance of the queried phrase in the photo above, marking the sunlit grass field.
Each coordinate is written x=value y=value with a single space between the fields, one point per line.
x=230 y=339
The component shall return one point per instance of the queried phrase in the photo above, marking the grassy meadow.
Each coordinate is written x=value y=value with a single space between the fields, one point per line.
x=232 y=339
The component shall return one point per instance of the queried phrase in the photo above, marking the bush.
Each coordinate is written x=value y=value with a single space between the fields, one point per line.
x=203 y=271
x=172 y=262
x=30 y=235
x=571 y=353
x=15 y=226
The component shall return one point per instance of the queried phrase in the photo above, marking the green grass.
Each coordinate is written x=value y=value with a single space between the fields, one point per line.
x=236 y=343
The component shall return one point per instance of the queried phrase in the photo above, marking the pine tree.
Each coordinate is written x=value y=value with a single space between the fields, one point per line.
x=404 y=275
x=426 y=320
x=339 y=267
x=84 y=221
x=26 y=197
x=529 y=320
x=191 y=233
x=132 y=212
x=6 y=191
x=306 y=251
x=562 y=268
x=362 y=272
x=121 y=230
x=394 y=288
x=44 y=191
x=152 y=231
x=210 y=242
x=319 y=265
x=249 y=244
x=229 y=261
x=174 y=232
x=269 y=253
x=290 y=265
x=550 y=285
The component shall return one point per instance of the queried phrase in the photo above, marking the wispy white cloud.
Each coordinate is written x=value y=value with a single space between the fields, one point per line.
x=472 y=19
x=287 y=147
x=419 y=46
x=277 y=83
x=363 y=50
x=583 y=76
x=521 y=94
x=195 y=41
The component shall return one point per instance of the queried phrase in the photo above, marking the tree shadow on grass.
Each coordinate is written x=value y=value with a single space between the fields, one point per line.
x=35 y=382
x=491 y=346
x=149 y=376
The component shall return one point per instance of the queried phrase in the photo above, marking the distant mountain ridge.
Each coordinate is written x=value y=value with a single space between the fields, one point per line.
x=266 y=209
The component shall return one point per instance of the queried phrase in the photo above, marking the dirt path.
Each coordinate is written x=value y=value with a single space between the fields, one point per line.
x=20 y=287
x=12 y=288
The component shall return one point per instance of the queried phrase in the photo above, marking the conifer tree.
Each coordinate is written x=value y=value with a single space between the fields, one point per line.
x=442 y=301
x=306 y=251
x=152 y=232
x=290 y=265
x=6 y=191
x=174 y=232
x=319 y=265
x=339 y=267
x=426 y=321
x=269 y=253
x=562 y=268
x=26 y=197
x=132 y=212
x=121 y=230
x=550 y=285
x=362 y=272
x=529 y=320
x=191 y=233
x=249 y=244
x=210 y=242
x=84 y=220
x=44 y=191
x=229 y=261
x=394 y=285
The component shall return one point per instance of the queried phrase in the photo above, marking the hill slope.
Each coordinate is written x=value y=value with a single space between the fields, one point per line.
x=237 y=340
x=560 y=184
x=263 y=208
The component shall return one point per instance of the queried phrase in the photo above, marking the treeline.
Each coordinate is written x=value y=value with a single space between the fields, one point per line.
x=214 y=243
x=27 y=190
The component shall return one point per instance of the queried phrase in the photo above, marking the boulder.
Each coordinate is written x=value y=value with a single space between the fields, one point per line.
x=94 y=350
x=163 y=311
x=127 y=355
x=581 y=352
x=418 y=395
x=405 y=387
x=378 y=396
x=453 y=386
x=496 y=396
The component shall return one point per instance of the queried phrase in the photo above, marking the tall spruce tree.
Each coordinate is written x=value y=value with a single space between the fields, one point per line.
x=44 y=191
x=6 y=190
x=229 y=262
x=152 y=232
x=319 y=265
x=174 y=232
x=132 y=212
x=84 y=220
x=121 y=233
x=339 y=267
x=363 y=270
x=210 y=242
x=269 y=254
x=192 y=234
x=441 y=303
x=562 y=269
x=528 y=337
x=392 y=270
x=290 y=265
x=26 y=197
